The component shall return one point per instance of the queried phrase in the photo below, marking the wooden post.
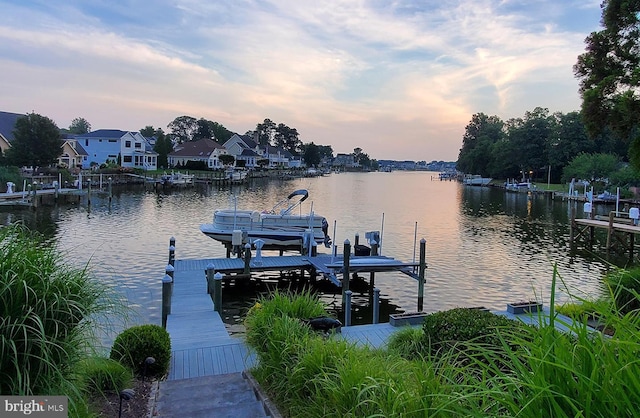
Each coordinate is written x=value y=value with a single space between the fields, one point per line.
x=345 y=272
x=89 y=193
x=172 y=251
x=217 y=292
x=421 y=273
x=110 y=190
x=347 y=308
x=169 y=270
x=372 y=275
x=211 y=271
x=376 y=305
x=357 y=240
x=167 y=282
x=610 y=231
x=247 y=258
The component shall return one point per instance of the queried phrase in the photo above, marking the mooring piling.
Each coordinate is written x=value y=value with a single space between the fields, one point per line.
x=421 y=273
x=167 y=283
x=345 y=271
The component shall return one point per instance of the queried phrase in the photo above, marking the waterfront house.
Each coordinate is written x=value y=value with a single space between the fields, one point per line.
x=205 y=150
x=73 y=154
x=7 y=125
x=129 y=149
x=345 y=161
x=243 y=148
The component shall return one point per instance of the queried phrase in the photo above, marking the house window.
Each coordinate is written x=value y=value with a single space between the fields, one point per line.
x=127 y=159
x=86 y=142
x=113 y=140
x=138 y=145
x=127 y=144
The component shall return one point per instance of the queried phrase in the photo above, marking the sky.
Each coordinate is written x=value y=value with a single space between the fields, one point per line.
x=400 y=79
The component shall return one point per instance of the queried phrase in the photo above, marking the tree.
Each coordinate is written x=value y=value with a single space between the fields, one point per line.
x=79 y=126
x=529 y=138
x=36 y=142
x=148 y=131
x=227 y=159
x=211 y=130
x=609 y=74
x=266 y=131
x=287 y=138
x=480 y=134
x=311 y=154
x=182 y=128
x=591 y=167
x=163 y=145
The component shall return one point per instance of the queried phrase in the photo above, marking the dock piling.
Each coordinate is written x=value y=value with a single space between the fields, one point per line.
x=172 y=250
x=345 y=271
x=376 y=305
x=217 y=292
x=247 y=258
x=347 y=308
x=167 y=283
x=421 y=273
x=211 y=271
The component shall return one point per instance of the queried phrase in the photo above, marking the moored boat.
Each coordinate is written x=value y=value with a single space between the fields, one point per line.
x=278 y=228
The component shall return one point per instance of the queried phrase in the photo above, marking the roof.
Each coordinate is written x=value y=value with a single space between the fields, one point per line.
x=8 y=123
x=201 y=148
x=248 y=153
x=249 y=141
x=104 y=133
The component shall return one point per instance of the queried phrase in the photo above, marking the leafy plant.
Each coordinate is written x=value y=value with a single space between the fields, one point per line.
x=101 y=374
x=624 y=286
x=457 y=327
x=48 y=314
x=134 y=345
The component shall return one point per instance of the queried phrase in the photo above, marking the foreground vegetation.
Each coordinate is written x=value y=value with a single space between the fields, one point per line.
x=49 y=317
x=483 y=366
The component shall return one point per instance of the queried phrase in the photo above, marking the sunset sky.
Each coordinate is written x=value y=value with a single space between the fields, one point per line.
x=399 y=78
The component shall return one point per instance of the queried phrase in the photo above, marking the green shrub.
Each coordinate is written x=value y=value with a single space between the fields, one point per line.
x=48 y=315
x=457 y=327
x=624 y=286
x=407 y=343
x=132 y=347
x=261 y=317
x=102 y=375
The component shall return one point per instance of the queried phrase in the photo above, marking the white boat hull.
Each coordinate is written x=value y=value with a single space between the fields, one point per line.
x=275 y=230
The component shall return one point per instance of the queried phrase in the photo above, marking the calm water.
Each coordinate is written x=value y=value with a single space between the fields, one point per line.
x=485 y=247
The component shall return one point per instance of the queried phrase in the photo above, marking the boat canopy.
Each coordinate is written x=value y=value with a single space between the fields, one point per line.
x=291 y=204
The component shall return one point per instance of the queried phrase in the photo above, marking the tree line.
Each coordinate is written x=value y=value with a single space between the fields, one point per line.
x=534 y=146
x=38 y=140
x=581 y=143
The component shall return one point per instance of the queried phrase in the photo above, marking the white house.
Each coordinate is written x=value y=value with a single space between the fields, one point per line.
x=206 y=150
x=130 y=148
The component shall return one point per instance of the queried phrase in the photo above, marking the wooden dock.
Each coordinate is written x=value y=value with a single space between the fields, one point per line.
x=620 y=232
x=200 y=343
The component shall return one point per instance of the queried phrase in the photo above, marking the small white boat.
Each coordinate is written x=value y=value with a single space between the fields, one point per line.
x=177 y=179
x=236 y=176
x=278 y=228
x=476 y=180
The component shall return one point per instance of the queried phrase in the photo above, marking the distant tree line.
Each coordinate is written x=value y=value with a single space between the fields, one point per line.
x=533 y=146
x=591 y=143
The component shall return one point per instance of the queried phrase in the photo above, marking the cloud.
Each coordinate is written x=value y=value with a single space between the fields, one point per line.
x=377 y=69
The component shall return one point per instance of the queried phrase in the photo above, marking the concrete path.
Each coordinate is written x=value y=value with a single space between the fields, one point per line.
x=227 y=395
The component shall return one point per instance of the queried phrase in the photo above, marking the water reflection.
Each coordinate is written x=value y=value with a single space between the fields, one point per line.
x=485 y=247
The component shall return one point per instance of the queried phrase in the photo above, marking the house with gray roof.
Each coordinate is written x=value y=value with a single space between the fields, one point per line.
x=205 y=150
x=130 y=149
x=244 y=148
x=7 y=125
